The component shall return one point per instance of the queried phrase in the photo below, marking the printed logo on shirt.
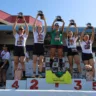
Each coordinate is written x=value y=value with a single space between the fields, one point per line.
x=57 y=36
x=87 y=46
x=20 y=41
x=40 y=38
x=70 y=41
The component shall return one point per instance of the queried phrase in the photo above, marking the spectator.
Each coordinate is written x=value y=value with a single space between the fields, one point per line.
x=4 y=65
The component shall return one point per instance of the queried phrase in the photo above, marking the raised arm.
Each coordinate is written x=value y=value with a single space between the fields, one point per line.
x=82 y=34
x=62 y=28
x=14 y=26
x=45 y=27
x=34 y=25
x=93 y=33
x=67 y=30
x=76 y=32
x=53 y=24
x=27 y=29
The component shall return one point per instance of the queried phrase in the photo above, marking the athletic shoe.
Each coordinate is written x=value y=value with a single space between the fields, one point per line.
x=40 y=75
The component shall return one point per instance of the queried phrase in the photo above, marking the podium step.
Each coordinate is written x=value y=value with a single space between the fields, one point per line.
x=40 y=84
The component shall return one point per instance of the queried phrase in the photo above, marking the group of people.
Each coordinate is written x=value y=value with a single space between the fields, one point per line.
x=71 y=41
x=56 y=43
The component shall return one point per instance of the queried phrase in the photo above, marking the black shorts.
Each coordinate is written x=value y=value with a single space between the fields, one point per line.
x=6 y=65
x=57 y=46
x=19 y=51
x=87 y=56
x=38 y=49
x=72 y=52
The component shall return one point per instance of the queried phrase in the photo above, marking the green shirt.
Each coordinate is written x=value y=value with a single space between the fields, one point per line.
x=56 y=37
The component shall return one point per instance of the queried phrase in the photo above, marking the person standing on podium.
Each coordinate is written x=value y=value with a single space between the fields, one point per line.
x=56 y=41
x=72 y=53
x=21 y=36
x=38 y=47
x=86 y=42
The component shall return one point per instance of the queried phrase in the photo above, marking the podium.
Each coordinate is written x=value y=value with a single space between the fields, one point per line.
x=40 y=84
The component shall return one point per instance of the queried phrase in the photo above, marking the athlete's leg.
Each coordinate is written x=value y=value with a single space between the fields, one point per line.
x=77 y=61
x=4 y=76
x=70 y=60
x=22 y=62
x=41 y=59
x=60 y=54
x=91 y=62
x=52 y=55
x=16 y=62
x=34 y=65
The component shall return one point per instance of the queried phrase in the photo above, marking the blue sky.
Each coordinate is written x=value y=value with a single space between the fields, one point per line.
x=82 y=11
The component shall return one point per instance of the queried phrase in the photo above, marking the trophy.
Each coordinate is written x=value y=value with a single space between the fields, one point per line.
x=58 y=18
x=40 y=13
x=89 y=25
x=20 y=15
x=72 y=22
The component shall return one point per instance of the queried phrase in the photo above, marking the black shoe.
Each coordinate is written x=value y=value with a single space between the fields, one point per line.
x=24 y=78
x=1 y=84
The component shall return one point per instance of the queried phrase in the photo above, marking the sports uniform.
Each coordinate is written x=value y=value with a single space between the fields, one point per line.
x=38 y=47
x=86 y=50
x=56 y=39
x=20 y=43
x=71 y=45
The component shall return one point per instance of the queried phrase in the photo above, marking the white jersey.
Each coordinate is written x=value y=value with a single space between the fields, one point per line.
x=20 y=40
x=5 y=55
x=86 y=46
x=39 y=37
x=71 y=42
